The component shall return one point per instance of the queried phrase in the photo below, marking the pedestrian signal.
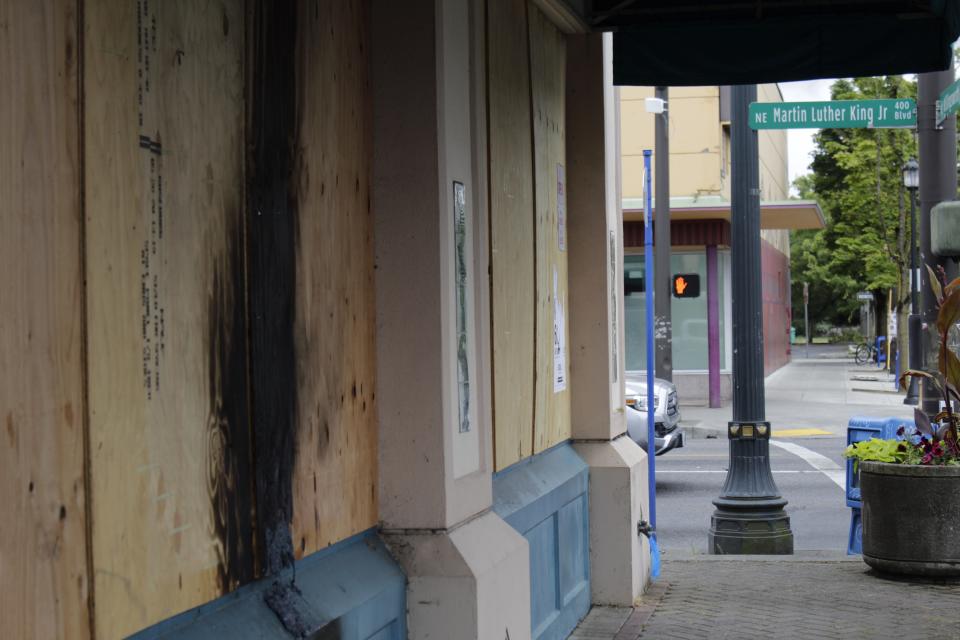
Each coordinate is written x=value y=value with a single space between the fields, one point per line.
x=686 y=285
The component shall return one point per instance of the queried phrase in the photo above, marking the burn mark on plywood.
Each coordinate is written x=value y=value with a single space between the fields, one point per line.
x=11 y=432
x=229 y=478
x=332 y=630
x=273 y=230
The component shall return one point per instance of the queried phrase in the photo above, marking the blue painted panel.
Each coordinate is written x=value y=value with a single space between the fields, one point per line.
x=544 y=594
x=545 y=499
x=389 y=632
x=355 y=585
x=529 y=491
x=574 y=551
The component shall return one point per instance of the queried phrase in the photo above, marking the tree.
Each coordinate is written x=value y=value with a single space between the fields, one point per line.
x=858 y=182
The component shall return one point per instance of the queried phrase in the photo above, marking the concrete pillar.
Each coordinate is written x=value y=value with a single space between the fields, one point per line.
x=467 y=570
x=619 y=558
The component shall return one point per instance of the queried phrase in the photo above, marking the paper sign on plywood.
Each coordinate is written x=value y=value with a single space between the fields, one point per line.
x=559 y=340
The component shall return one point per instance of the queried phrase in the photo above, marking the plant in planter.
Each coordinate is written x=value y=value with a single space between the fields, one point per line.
x=910 y=486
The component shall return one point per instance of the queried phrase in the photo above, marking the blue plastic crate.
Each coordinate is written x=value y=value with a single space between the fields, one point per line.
x=863 y=428
x=855 y=540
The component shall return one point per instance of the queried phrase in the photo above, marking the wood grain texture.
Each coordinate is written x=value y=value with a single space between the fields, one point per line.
x=335 y=477
x=164 y=188
x=44 y=584
x=511 y=230
x=547 y=72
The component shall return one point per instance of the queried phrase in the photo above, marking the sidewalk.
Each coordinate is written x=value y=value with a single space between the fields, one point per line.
x=808 y=595
x=820 y=393
x=805 y=596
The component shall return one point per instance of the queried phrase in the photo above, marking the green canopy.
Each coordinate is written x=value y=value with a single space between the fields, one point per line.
x=685 y=42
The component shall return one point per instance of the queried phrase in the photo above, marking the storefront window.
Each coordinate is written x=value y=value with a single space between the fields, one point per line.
x=689 y=314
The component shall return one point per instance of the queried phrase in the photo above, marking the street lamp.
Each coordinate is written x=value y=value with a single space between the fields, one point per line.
x=911 y=180
x=749 y=516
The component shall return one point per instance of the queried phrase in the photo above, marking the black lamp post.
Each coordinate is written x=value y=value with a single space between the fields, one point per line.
x=911 y=180
x=749 y=516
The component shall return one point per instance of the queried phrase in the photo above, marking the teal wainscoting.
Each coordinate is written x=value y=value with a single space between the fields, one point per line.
x=354 y=588
x=545 y=499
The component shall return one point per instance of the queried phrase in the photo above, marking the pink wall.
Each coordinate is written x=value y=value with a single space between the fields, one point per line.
x=775 y=269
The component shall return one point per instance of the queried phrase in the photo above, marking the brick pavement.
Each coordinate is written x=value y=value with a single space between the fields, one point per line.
x=704 y=597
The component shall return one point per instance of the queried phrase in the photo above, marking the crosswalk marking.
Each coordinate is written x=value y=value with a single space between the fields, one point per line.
x=821 y=463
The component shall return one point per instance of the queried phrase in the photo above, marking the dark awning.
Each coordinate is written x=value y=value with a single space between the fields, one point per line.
x=698 y=42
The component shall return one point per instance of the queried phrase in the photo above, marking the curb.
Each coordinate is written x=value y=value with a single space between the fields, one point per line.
x=700 y=431
x=811 y=556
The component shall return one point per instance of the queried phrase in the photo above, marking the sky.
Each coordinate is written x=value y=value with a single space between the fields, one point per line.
x=800 y=141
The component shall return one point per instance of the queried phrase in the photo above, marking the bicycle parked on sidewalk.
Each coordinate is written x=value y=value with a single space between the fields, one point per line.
x=865 y=353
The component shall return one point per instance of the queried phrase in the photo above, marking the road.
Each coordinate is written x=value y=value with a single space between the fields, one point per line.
x=808 y=404
x=688 y=479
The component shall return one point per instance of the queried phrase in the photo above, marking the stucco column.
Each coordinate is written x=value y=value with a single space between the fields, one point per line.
x=467 y=570
x=619 y=558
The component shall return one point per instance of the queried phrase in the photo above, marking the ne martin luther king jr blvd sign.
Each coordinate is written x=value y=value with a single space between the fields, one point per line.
x=835 y=114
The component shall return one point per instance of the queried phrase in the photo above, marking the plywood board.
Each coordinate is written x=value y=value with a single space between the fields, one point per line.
x=169 y=431
x=547 y=73
x=335 y=477
x=43 y=570
x=511 y=230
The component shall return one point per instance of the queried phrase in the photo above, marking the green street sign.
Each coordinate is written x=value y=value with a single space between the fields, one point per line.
x=949 y=102
x=835 y=114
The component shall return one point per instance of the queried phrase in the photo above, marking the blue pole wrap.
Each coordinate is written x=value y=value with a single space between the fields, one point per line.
x=651 y=407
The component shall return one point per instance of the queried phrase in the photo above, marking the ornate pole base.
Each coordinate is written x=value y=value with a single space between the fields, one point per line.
x=750 y=527
x=749 y=518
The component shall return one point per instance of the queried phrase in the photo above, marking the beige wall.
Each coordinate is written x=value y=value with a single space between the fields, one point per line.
x=700 y=148
x=774 y=183
x=699 y=144
x=696 y=145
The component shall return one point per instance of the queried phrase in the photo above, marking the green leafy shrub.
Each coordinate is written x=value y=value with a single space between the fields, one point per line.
x=876 y=450
x=928 y=442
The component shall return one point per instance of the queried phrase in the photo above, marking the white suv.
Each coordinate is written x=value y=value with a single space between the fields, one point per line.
x=666 y=412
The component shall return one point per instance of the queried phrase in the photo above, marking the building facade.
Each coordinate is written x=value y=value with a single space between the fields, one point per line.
x=308 y=324
x=699 y=132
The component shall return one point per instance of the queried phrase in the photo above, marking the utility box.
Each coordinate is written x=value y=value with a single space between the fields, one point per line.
x=945 y=229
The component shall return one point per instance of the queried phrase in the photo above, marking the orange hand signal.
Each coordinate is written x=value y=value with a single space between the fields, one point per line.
x=680 y=285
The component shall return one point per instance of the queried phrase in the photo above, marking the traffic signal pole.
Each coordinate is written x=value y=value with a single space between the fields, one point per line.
x=749 y=516
x=661 y=231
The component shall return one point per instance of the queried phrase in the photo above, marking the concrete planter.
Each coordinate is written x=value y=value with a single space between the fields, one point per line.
x=911 y=518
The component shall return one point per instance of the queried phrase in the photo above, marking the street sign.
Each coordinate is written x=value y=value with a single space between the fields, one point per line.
x=949 y=102
x=835 y=114
x=865 y=296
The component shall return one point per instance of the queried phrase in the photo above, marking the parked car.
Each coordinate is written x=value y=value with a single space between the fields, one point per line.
x=666 y=413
